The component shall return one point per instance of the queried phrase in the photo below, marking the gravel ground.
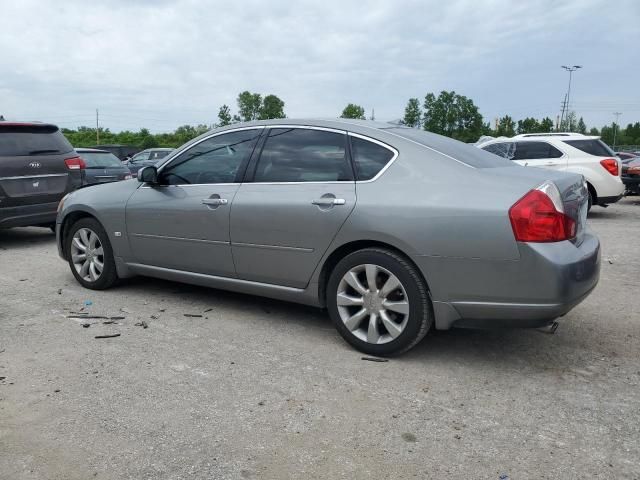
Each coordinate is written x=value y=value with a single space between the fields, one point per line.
x=262 y=389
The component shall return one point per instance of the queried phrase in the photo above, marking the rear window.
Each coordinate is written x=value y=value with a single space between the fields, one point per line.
x=21 y=140
x=463 y=152
x=592 y=147
x=100 y=159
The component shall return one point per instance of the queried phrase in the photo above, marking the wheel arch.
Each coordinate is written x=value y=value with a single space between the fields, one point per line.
x=67 y=221
x=347 y=248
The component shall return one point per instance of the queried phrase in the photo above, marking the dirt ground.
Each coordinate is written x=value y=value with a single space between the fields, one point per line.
x=255 y=388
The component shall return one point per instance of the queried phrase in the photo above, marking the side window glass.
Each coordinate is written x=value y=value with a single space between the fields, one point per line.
x=369 y=158
x=536 y=151
x=214 y=160
x=303 y=155
x=141 y=157
x=504 y=149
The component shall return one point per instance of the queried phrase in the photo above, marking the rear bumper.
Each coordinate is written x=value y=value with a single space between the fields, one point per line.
x=546 y=282
x=608 y=200
x=28 y=215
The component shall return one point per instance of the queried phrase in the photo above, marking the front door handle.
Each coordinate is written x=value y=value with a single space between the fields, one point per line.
x=214 y=202
x=329 y=201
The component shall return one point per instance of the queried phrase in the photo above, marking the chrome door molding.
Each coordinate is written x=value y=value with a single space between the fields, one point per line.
x=382 y=144
x=22 y=177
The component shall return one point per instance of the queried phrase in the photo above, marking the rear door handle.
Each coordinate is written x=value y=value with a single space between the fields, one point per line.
x=214 y=201
x=329 y=202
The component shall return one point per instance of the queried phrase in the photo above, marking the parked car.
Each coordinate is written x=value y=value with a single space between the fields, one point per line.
x=626 y=155
x=145 y=158
x=123 y=152
x=393 y=229
x=631 y=176
x=38 y=166
x=101 y=167
x=568 y=152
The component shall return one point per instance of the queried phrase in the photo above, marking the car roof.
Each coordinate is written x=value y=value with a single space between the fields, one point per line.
x=4 y=123
x=549 y=137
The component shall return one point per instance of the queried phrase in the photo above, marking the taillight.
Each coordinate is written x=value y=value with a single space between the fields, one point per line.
x=610 y=165
x=75 y=163
x=633 y=170
x=536 y=218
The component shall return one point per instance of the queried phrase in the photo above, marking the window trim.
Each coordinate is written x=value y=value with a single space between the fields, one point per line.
x=160 y=168
x=251 y=170
x=377 y=142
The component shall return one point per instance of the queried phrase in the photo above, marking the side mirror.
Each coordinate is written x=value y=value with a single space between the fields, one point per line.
x=148 y=175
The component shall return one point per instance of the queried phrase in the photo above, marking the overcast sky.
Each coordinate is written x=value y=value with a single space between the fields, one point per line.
x=160 y=64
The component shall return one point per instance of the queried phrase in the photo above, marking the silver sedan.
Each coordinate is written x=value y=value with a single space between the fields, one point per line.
x=392 y=229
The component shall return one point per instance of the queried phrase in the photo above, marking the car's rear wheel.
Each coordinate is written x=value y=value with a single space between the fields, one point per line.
x=90 y=255
x=379 y=302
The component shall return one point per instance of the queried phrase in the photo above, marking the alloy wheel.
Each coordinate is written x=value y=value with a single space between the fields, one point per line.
x=87 y=254
x=373 y=304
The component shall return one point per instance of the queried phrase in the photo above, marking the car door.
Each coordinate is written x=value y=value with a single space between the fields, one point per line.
x=539 y=154
x=183 y=222
x=299 y=193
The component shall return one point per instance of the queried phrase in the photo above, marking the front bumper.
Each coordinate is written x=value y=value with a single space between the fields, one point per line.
x=546 y=282
x=28 y=215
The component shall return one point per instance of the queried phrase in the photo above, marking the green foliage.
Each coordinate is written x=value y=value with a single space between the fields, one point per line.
x=506 y=127
x=529 y=125
x=582 y=127
x=249 y=105
x=224 y=116
x=353 y=111
x=546 y=125
x=569 y=123
x=272 y=107
x=86 y=137
x=412 y=113
x=452 y=115
x=594 y=131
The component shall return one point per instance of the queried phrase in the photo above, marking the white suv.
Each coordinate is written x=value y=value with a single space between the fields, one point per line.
x=571 y=152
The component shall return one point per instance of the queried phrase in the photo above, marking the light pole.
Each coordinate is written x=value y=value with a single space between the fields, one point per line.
x=566 y=105
x=615 y=125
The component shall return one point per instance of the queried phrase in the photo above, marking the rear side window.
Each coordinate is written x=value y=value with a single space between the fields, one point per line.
x=303 y=155
x=592 y=147
x=19 y=140
x=370 y=158
x=535 y=151
x=502 y=149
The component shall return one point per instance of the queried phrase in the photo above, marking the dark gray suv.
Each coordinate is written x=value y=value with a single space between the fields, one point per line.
x=38 y=167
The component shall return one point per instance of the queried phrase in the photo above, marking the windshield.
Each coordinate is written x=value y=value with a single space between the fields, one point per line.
x=100 y=159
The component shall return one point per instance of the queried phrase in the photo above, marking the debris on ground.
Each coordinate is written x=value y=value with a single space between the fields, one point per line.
x=409 y=437
x=109 y=322
x=59 y=291
x=142 y=324
x=208 y=310
x=93 y=317
x=108 y=336
x=24 y=279
x=192 y=315
x=88 y=302
x=154 y=317
x=86 y=325
x=374 y=359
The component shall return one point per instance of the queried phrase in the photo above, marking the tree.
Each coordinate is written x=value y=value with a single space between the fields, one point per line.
x=570 y=122
x=581 y=127
x=594 y=131
x=249 y=105
x=224 y=116
x=506 y=127
x=353 y=111
x=452 y=115
x=546 y=125
x=528 y=125
x=272 y=107
x=412 y=113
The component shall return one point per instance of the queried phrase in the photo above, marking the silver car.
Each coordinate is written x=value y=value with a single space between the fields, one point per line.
x=393 y=230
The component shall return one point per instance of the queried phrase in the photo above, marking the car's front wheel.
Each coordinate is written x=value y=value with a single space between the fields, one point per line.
x=90 y=255
x=379 y=302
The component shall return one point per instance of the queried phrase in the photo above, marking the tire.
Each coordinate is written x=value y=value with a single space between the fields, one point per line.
x=590 y=204
x=100 y=253
x=409 y=313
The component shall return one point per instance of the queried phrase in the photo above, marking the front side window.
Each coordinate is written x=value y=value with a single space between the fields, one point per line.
x=535 y=151
x=303 y=155
x=214 y=160
x=140 y=157
x=370 y=158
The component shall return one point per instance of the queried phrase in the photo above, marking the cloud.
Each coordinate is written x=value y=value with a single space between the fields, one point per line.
x=164 y=63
